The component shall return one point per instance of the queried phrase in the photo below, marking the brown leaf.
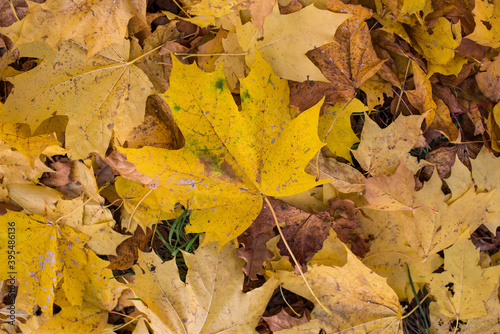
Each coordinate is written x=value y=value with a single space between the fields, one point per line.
x=255 y=257
x=305 y=234
x=63 y=179
x=7 y=14
x=118 y=161
x=127 y=251
x=443 y=158
x=343 y=212
x=283 y=320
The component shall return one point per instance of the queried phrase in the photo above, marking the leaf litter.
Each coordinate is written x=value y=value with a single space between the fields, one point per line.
x=343 y=141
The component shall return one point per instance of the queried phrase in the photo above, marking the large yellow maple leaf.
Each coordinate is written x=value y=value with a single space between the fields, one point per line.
x=231 y=158
x=104 y=95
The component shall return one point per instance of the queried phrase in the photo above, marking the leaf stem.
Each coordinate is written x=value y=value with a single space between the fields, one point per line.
x=135 y=208
x=293 y=257
x=144 y=55
x=83 y=204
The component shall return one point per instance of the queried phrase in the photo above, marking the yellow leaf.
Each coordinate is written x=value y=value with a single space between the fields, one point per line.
x=210 y=301
x=390 y=254
x=33 y=198
x=104 y=95
x=489 y=323
x=231 y=158
x=381 y=150
x=207 y=10
x=79 y=319
x=30 y=146
x=439 y=43
x=42 y=251
x=421 y=97
x=336 y=122
x=360 y=301
x=486 y=17
x=434 y=225
x=101 y=289
x=471 y=284
x=287 y=38
x=485 y=173
x=391 y=193
x=459 y=181
x=15 y=167
x=148 y=207
x=101 y=23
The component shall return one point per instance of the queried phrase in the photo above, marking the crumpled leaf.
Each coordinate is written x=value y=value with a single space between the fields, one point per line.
x=102 y=23
x=226 y=164
x=488 y=79
x=104 y=95
x=308 y=28
x=210 y=301
x=471 y=284
x=343 y=177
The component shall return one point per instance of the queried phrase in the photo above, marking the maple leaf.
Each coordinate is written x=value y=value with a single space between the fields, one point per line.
x=358 y=299
x=381 y=150
x=102 y=23
x=430 y=231
x=485 y=175
x=231 y=158
x=488 y=324
x=42 y=251
x=211 y=300
x=470 y=283
x=390 y=253
x=349 y=60
x=487 y=30
x=335 y=125
x=101 y=96
x=438 y=47
x=308 y=28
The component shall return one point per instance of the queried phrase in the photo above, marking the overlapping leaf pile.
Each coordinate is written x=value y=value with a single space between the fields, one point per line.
x=369 y=132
